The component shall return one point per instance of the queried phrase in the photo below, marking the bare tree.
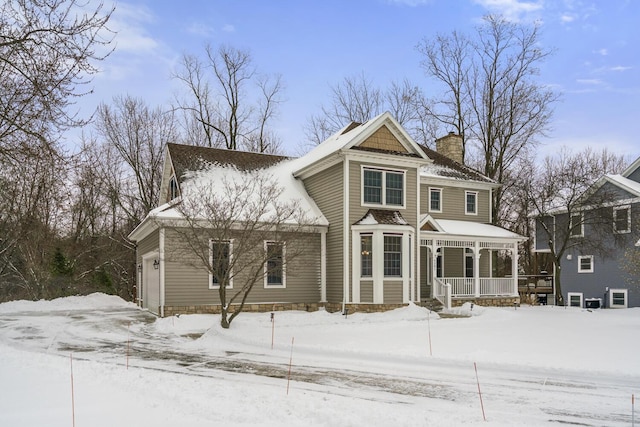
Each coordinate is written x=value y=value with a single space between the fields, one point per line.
x=48 y=51
x=223 y=227
x=357 y=99
x=221 y=107
x=139 y=134
x=491 y=94
x=569 y=211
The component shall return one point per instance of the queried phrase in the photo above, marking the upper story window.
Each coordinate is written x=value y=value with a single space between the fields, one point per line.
x=435 y=199
x=622 y=219
x=220 y=259
x=576 y=225
x=382 y=187
x=471 y=202
x=173 y=188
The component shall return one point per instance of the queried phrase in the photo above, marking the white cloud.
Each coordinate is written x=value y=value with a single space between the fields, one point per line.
x=128 y=22
x=228 y=28
x=619 y=68
x=200 y=29
x=512 y=10
x=591 y=82
x=567 y=18
x=603 y=52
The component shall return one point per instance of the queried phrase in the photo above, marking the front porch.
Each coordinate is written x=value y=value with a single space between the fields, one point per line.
x=480 y=266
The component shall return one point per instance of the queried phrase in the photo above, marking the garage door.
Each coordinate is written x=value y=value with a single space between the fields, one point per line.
x=150 y=285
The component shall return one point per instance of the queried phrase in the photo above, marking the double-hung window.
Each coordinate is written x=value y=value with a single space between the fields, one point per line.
x=392 y=256
x=382 y=187
x=585 y=264
x=275 y=265
x=471 y=202
x=576 y=225
x=220 y=258
x=435 y=199
x=622 y=219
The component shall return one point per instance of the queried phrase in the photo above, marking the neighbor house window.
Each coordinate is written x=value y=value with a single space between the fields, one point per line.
x=392 y=256
x=585 y=264
x=275 y=270
x=471 y=202
x=220 y=258
x=366 y=256
x=173 y=188
x=618 y=298
x=622 y=219
x=574 y=299
x=435 y=199
x=576 y=225
x=382 y=187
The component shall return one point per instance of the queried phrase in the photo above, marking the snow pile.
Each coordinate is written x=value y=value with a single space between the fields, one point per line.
x=95 y=300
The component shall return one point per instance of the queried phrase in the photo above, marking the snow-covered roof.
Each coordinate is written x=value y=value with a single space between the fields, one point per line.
x=472 y=229
x=382 y=216
x=350 y=136
x=445 y=167
x=220 y=179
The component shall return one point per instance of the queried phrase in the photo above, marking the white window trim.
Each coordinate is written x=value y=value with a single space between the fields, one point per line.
x=619 y=208
x=626 y=298
x=580 y=258
x=402 y=270
x=439 y=190
x=571 y=235
x=284 y=266
x=571 y=294
x=230 y=242
x=384 y=186
x=365 y=278
x=466 y=193
x=173 y=180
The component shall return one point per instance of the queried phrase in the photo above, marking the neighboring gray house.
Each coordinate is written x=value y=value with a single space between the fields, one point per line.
x=589 y=277
x=396 y=223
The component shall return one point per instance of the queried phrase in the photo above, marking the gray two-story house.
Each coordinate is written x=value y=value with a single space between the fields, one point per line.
x=395 y=223
x=602 y=230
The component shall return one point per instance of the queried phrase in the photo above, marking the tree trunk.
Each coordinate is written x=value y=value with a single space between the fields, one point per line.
x=558 y=285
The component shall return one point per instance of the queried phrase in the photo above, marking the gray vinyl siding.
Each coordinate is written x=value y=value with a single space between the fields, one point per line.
x=393 y=292
x=409 y=213
x=453 y=262
x=453 y=203
x=148 y=244
x=325 y=189
x=187 y=280
x=635 y=175
x=366 y=291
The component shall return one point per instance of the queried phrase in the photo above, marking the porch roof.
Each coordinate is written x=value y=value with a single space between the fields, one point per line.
x=469 y=229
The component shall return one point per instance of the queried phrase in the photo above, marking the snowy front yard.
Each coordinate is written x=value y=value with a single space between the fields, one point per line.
x=536 y=366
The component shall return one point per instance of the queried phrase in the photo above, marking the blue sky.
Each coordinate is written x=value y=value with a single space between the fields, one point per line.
x=596 y=65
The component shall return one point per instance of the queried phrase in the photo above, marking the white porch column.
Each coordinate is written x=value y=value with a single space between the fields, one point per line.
x=406 y=267
x=434 y=269
x=514 y=268
x=476 y=268
x=378 y=267
x=355 y=267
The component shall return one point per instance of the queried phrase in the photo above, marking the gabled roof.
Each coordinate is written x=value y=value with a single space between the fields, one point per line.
x=352 y=135
x=445 y=167
x=624 y=183
x=632 y=168
x=190 y=158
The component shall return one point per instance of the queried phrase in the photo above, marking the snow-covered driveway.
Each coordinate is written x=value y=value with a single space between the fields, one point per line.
x=340 y=367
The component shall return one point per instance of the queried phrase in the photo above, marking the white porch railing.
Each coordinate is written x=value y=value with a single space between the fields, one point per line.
x=496 y=286
x=465 y=287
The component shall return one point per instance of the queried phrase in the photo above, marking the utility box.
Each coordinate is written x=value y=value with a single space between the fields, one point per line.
x=592 y=303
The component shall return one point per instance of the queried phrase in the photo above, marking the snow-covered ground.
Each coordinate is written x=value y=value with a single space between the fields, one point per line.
x=535 y=366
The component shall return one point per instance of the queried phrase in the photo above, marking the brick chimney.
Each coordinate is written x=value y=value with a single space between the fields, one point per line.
x=450 y=146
